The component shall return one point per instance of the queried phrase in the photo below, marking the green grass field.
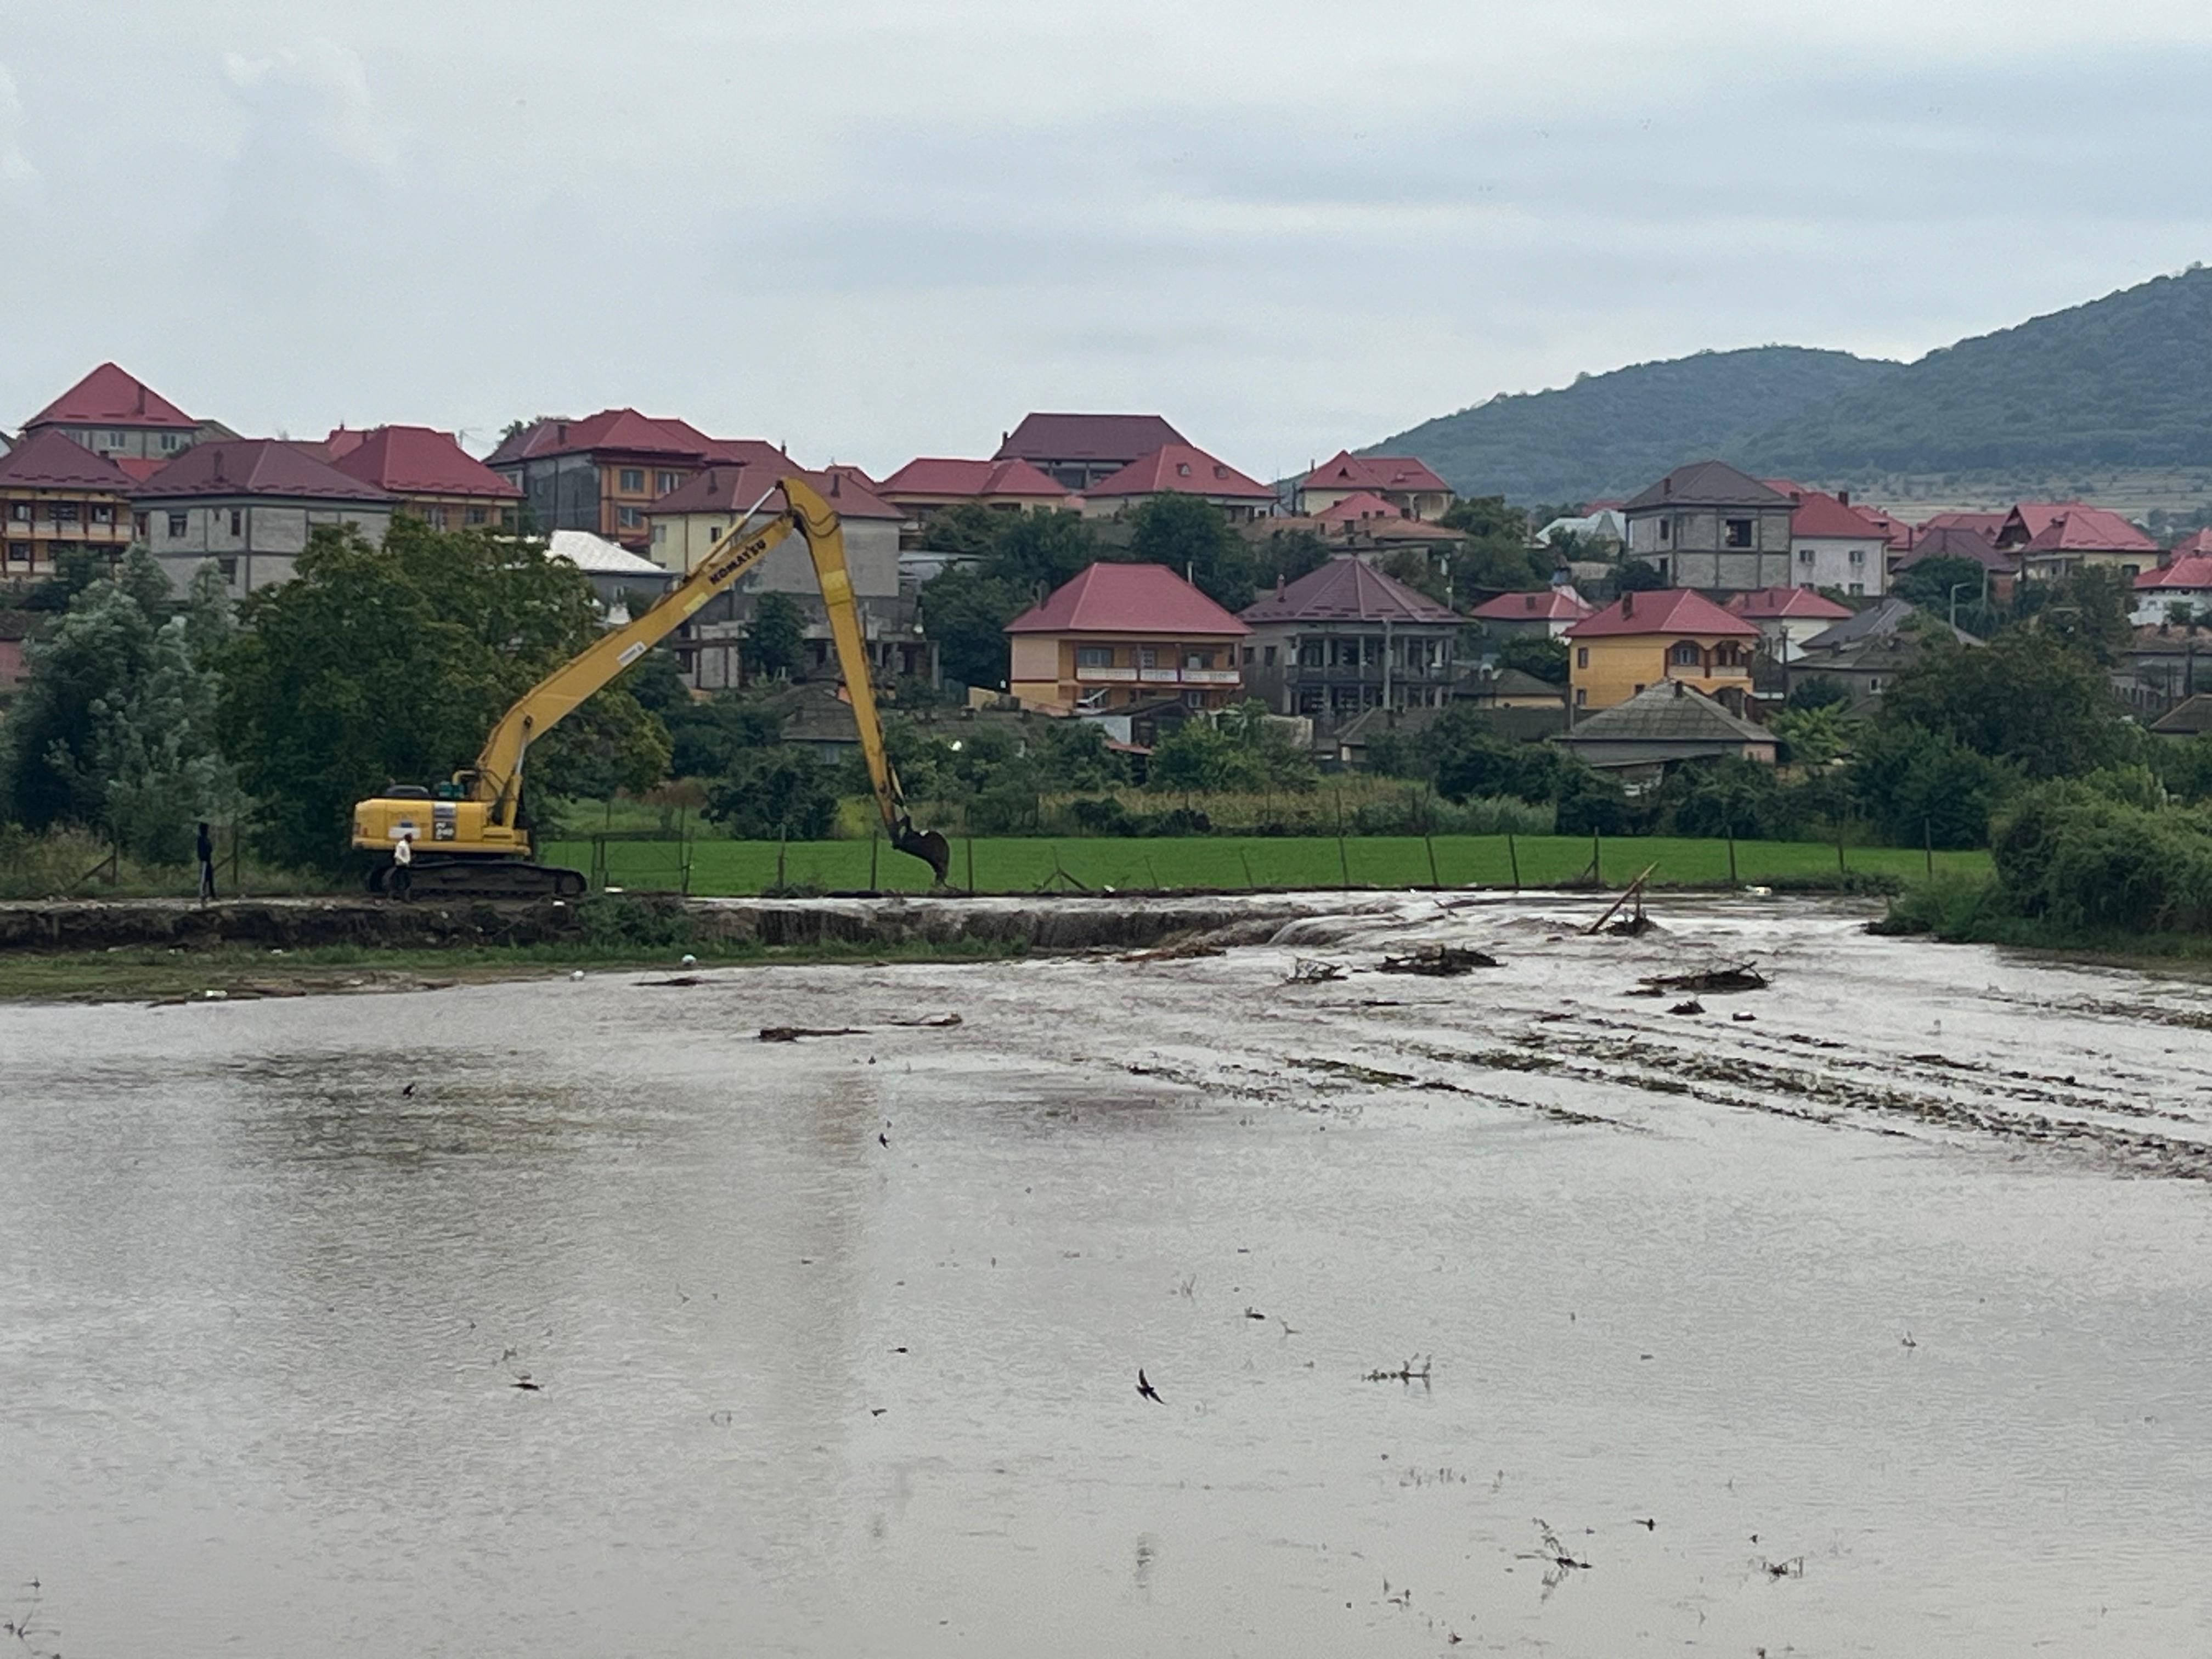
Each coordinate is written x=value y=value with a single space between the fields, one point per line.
x=1235 y=864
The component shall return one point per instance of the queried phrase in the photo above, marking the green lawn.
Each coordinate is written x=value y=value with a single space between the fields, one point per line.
x=1235 y=863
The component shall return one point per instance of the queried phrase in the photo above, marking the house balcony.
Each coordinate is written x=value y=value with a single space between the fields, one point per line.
x=1435 y=673
x=1157 y=676
x=1106 y=675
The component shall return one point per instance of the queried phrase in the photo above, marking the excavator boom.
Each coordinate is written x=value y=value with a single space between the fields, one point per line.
x=477 y=832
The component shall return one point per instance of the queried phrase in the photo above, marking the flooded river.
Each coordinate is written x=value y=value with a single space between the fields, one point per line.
x=1875 y=1323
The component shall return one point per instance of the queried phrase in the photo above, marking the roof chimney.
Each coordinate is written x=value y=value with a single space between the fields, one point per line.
x=1844 y=496
x=561 y=432
x=1279 y=584
x=218 y=463
x=1628 y=603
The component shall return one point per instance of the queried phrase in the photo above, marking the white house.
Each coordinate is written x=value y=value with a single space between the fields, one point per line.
x=1832 y=544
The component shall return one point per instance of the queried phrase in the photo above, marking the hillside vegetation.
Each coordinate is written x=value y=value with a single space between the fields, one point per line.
x=2117 y=383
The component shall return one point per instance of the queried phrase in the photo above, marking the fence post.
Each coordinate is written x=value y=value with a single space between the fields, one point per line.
x=871 y=861
x=1731 y=835
x=1343 y=858
x=1927 y=843
x=234 y=862
x=1840 y=848
x=1597 y=858
x=971 y=864
x=1513 y=857
x=782 y=842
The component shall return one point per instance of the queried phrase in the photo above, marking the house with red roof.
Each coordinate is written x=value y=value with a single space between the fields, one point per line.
x=1833 y=544
x=1673 y=634
x=603 y=473
x=1179 y=470
x=1407 y=482
x=1787 y=617
x=930 y=483
x=1117 y=635
x=435 y=478
x=2197 y=543
x=1546 y=614
x=1708 y=526
x=249 y=504
x=112 y=412
x=2186 y=581
x=1346 y=637
x=58 y=498
x=2056 y=539
x=1077 y=450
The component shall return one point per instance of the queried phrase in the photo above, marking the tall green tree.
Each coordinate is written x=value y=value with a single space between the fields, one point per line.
x=775 y=634
x=390 y=664
x=2028 y=697
x=1189 y=534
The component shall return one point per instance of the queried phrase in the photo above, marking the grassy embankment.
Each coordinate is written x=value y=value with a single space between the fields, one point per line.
x=1968 y=908
x=245 y=972
x=1237 y=863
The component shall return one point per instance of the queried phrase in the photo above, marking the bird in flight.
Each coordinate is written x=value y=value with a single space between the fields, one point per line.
x=1148 y=1389
x=408 y=1090
x=882 y=1139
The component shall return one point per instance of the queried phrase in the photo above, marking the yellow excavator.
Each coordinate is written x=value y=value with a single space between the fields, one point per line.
x=461 y=840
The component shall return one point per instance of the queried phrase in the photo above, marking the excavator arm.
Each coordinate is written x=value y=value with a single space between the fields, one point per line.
x=496 y=778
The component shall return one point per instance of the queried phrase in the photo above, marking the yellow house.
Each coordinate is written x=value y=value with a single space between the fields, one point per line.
x=1121 y=634
x=1642 y=638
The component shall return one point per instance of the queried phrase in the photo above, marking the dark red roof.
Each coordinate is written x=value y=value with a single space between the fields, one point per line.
x=1127 y=598
x=1184 y=470
x=1360 y=504
x=255 y=466
x=2195 y=541
x=1348 y=589
x=1345 y=470
x=2193 y=570
x=414 y=460
x=140 y=467
x=1982 y=524
x=1086 y=438
x=1767 y=603
x=622 y=430
x=47 y=460
x=1820 y=513
x=736 y=489
x=112 y=397
x=2084 y=529
x=1951 y=541
x=940 y=475
x=1551 y=605
x=1668 y=611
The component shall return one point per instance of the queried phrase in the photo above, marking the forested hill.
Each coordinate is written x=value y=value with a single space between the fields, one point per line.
x=2119 y=382
x=1610 y=434
x=2122 y=381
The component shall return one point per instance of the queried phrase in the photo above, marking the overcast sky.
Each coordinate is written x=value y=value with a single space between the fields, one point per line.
x=874 y=230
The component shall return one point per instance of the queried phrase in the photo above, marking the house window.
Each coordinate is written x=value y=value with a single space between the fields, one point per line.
x=1182 y=469
x=1247 y=656
x=119 y=438
x=1582 y=656
x=480 y=515
x=1859 y=556
x=1873 y=685
x=628 y=517
x=63 y=512
x=1858 y=587
x=714 y=533
x=103 y=515
x=1804 y=556
x=1094 y=656
x=633 y=478
x=1666 y=530
x=176 y=524
x=229 y=568
x=237 y=522
x=1267 y=656
x=139 y=524
x=659 y=534
x=19 y=552
x=168 y=442
x=1686 y=654
x=1735 y=533
x=1198 y=659
x=664 y=481
x=20 y=512
x=1581 y=698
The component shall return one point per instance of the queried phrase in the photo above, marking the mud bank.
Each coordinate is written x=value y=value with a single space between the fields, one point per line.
x=1054 y=924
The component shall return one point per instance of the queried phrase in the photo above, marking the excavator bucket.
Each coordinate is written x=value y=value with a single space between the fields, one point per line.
x=931 y=847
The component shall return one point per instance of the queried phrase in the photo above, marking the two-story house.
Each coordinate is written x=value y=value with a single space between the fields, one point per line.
x=113 y=413
x=1407 y=482
x=249 y=504
x=1674 y=633
x=1077 y=450
x=1707 y=525
x=1346 y=637
x=1833 y=544
x=1787 y=617
x=1118 y=634
x=1179 y=470
x=2056 y=540
x=56 y=498
x=603 y=473
x=435 y=478
x=1545 y=614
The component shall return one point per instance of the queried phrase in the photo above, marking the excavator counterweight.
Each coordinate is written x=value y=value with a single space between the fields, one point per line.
x=462 y=840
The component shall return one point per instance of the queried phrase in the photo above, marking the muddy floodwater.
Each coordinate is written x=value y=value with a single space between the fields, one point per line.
x=1870 y=1313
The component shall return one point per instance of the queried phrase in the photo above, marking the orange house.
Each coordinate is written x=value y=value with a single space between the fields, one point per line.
x=1121 y=634
x=1675 y=633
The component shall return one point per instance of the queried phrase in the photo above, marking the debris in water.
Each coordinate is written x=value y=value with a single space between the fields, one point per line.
x=1409 y=1372
x=1742 y=977
x=1438 y=961
x=931 y=1022
x=1741 y=1018
x=1182 y=952
x=793 y=1033
x=676 y=979
x=1312 y=970
x=1692 y=1007
x=523 y=1383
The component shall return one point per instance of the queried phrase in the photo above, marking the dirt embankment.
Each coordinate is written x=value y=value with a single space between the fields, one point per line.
x=1058 y=924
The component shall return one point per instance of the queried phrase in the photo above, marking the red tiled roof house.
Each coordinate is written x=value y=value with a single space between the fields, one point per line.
x=1346 y=637
x=435 y=478
x=604 y=474
x=1834 y=544
x=57 y=497
x=1546 y=614
x=1179 y=470
x=1115 y=635
x=1674 y=633
x=1787 y=617
x=250 y=504
x=1077 y=450
x=113 y=413
x=1407 y=482
x=2056 y=540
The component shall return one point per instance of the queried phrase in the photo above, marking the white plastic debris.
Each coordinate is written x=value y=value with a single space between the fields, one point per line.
x=690 y=961
x=216 y=996
x=578 y=974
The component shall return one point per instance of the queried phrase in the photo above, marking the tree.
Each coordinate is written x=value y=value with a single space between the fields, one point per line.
x=1286 y=556
x=2026 y=698
x=1810 y=737
x=772 y=793
x=1930 y=583
x=1074 y=756
x=2090 y=609
x=775 y=634
x=1240 y=750
x=1914 y=786
x=1537 y=654
x=1638 y=576
x=965 y=529
x=385 y=664
x=1190 y=533
x=966 y=612
x=1818 y=692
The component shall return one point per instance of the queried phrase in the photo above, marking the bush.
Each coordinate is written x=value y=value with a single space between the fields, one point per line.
x=773 y=792
x=2077 y=858
x=1589 y=805
x=1914 y=785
